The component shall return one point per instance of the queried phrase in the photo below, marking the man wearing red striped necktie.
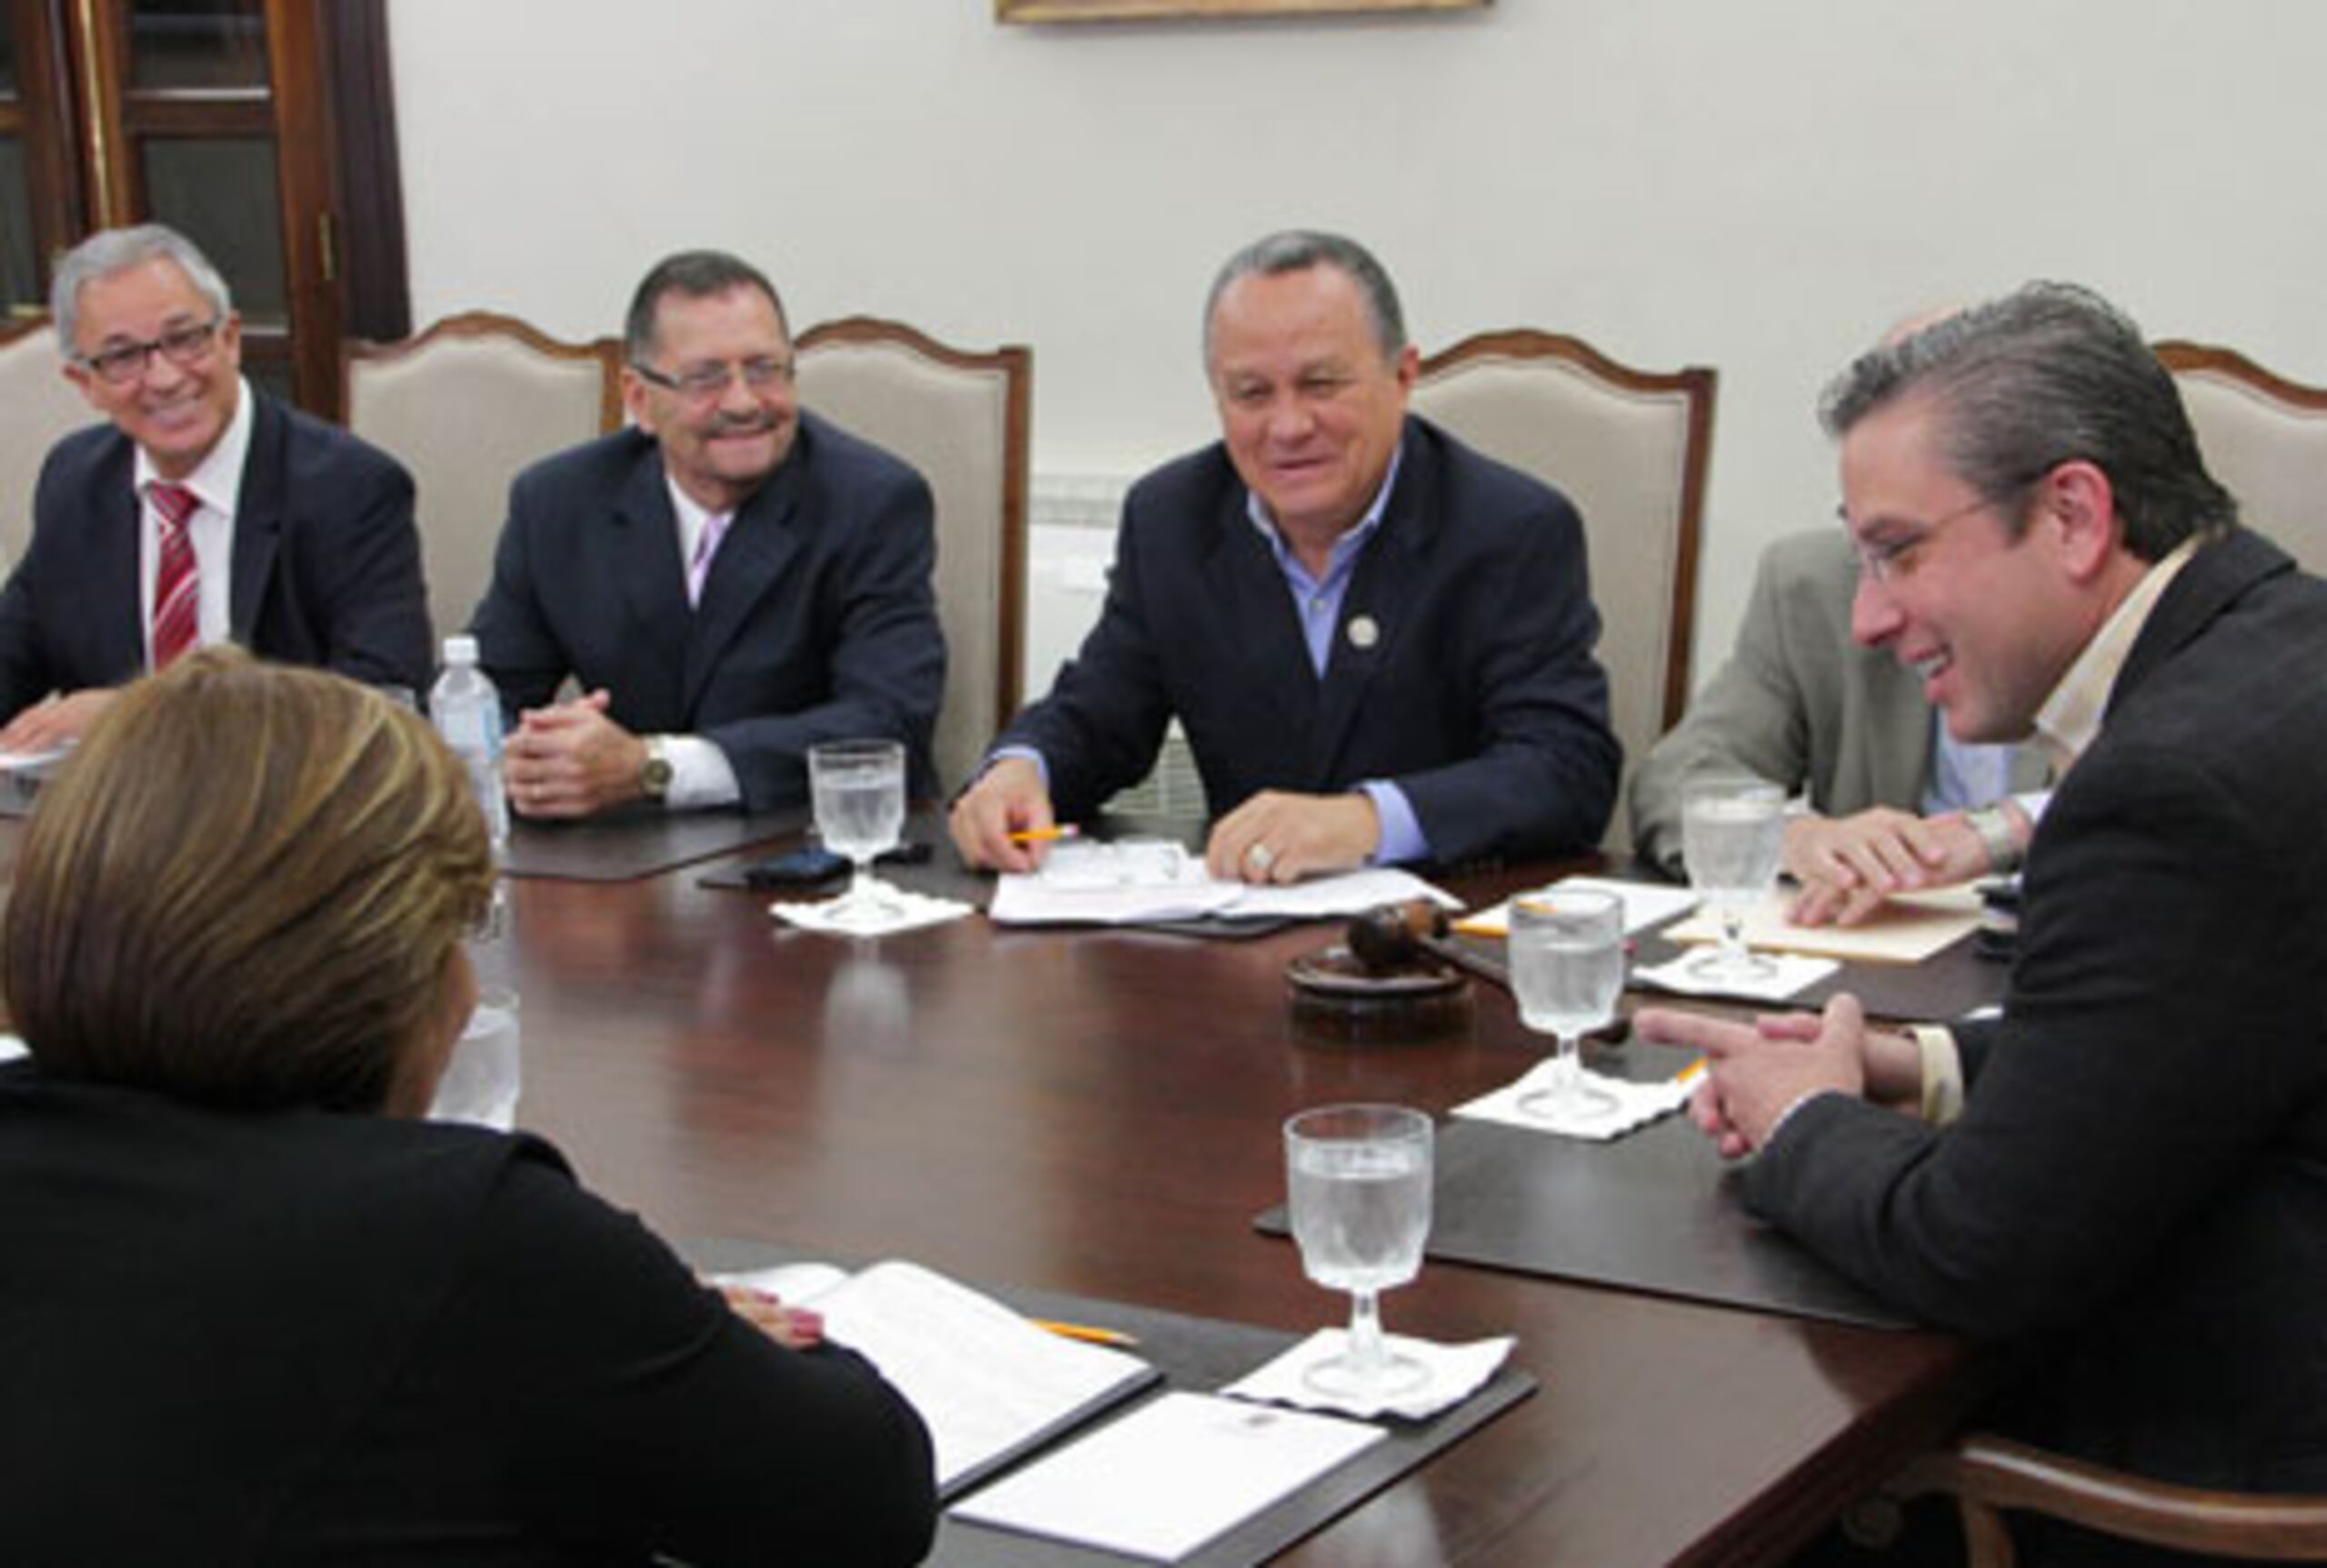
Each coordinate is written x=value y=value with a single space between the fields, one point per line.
x=202 y=513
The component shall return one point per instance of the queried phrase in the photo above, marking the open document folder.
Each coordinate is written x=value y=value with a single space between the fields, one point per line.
x=988 y=1383
x=1134 y=881
x=1907 y=928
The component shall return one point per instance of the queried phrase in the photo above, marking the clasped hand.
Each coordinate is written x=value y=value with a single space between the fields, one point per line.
x=1756 y=1071
x=1848 y=865
x=570 y=760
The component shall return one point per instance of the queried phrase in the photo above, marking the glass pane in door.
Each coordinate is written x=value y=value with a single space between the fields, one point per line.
x=19 y=269
x=177 y=44
x=221 y=191
x=7 y=53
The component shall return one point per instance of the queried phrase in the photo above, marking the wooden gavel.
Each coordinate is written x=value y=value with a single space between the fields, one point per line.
x=1390 y=935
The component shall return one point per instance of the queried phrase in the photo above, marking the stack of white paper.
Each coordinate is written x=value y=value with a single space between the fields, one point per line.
x=1174 y=1474
x=1184 y=890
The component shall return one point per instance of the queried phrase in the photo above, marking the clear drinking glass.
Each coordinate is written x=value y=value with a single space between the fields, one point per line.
x=1733 y=833
x=1567 y=969
x=859 y=790
x=1358 y=1184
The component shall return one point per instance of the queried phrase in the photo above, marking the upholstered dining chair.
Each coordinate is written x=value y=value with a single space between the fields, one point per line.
x=42 y=406
x=466 y=407
x=964 y=419
x=2266 y=437
x=1630 y=449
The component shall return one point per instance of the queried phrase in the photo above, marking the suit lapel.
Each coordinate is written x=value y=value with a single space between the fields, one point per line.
x=1372 y=612
x=258 y=518
x=643 y=553
x=1267 y=652
x=760 y=545
x=116 y=612
x=2219 y=573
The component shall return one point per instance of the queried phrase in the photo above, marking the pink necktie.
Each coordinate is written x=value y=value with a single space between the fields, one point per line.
x=713 y=530
x=178 y=588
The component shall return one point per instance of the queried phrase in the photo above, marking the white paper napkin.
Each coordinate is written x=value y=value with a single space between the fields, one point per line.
x=1795 y=972
x=1456 y=1373
x=1636 y=1104
x=913 y=911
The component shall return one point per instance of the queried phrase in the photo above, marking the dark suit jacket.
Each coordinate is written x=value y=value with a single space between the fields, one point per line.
x=326 y=563
x=296 y=1337
x=2138 y=1185
x=1479 y=694
x=817 y=621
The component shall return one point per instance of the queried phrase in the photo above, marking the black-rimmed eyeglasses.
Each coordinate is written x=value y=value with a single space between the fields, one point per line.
x=184 y=347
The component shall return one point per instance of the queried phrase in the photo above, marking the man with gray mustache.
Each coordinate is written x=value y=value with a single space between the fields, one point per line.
x=729 y=582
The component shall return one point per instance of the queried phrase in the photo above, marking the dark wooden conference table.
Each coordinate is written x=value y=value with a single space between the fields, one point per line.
x=1098 y=1112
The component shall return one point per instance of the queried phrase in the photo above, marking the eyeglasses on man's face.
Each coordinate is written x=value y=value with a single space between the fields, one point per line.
x=184 y=347
x=1889 y=550
x=701 y=383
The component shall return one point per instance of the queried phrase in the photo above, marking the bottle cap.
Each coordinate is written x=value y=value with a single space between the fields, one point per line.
x=460 y=650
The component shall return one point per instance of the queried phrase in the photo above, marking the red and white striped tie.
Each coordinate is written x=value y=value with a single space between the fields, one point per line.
x=177 y=586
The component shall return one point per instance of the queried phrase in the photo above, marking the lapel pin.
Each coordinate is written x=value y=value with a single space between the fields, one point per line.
x=1363 y=632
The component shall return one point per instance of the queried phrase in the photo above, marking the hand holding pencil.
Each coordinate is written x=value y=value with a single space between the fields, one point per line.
x=1003 y=821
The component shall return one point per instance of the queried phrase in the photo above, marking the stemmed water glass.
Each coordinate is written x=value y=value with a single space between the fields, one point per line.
x=1567 y=962
x=1358 y=1179
x=1733 y=834
x=859 y=790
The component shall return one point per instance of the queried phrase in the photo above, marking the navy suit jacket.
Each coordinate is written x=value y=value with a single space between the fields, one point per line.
x=2137 y=1188
x=1461 y=669
x=817 y=621
x=326 y=563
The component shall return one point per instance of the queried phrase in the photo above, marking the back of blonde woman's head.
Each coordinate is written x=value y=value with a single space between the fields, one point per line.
x=243 y=889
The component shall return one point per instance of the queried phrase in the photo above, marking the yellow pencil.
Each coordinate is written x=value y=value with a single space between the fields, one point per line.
x=1046 y=834
x=1083 y=1331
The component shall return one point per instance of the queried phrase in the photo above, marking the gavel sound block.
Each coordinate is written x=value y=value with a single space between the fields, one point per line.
x=1377 y=987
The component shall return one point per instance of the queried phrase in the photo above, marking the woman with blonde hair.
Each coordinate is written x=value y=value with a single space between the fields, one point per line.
x=252 y=1308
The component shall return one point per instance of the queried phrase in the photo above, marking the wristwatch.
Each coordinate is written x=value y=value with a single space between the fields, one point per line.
x=654 y=773
x=1993 y=825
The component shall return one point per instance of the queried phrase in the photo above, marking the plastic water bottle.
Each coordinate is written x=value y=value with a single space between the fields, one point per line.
x=481 y=1080
x=468 y=714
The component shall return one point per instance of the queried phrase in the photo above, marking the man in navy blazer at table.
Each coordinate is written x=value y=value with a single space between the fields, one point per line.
x=202 y=513
x=2126 y=1171
x=730 y=581
x=1379 y=643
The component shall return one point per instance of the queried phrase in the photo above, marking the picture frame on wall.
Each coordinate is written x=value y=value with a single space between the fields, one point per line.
x=1156 y=10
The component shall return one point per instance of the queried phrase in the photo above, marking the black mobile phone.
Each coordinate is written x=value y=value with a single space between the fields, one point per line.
x=804 y=868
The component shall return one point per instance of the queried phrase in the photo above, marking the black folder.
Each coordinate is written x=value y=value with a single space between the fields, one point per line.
x=1201 y=1355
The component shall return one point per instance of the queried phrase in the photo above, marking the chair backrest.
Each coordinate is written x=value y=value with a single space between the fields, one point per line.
x=466 y=407
x=2263 y=436
x=1630 y=448
x=42 y=406
x=964 y=420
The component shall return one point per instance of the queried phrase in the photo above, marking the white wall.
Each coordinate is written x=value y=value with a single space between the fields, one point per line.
x=1756 y=185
